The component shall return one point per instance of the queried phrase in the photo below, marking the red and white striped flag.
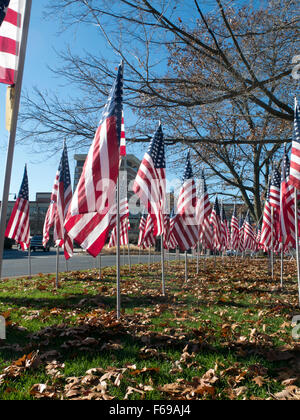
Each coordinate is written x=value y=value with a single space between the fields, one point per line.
x=57 y=211
x=18 y=225
x=287 y=209
x=249 y=235
x=295 y=156
x=203 y=215
x=215 y=221
x=185 y=227
x=266 y=230
x=124 y=226
x=172 y=242
x=234 y=235
x=123 y=138
x=150 y=182
x=93 y=204
x=149 y=238
x=142 y=227
x=10 y=39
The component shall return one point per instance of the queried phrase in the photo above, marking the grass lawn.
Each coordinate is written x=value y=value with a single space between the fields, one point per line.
x=225 y=334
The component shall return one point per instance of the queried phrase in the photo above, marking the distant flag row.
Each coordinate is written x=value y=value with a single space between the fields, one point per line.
x=89 y=215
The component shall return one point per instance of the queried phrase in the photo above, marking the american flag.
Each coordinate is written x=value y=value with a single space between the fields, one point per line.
x=172 y=242
x=124 y=225
x=18 y=225
x=266 y=230
x=149 y=238
x=295 y=156
x=258 y=238
x=166 y=230
x=234 y=226
x=203 y=213
x=274 y=195
x=274 y=199
x=60 y=201
x=123 y=138
x=186 y=205
x=249 y=235
x=185 y=235
x=185 y=227
x=3 y=9
x=224 y=228
x=215 y=221
x=11 y=21
x=287 y=216
x=90 y=214
x=150 y=182
x=142 y=227
x=241 y=235
x=124 y=230
x=51 y=212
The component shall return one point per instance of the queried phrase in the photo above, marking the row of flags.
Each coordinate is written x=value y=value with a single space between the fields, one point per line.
x=89 y=215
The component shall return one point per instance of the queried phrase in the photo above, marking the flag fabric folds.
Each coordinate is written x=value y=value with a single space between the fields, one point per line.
x=295 y=155
x=185 y=228
x=92 y=209
x=234 y=227
x=215 y=221
x=150 y=182
x=12 y=14
x=18 y=225
x=60 y=200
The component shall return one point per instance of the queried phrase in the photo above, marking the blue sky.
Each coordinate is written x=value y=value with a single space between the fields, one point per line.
x=43 y=40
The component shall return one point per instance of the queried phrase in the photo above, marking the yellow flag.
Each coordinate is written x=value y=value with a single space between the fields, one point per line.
x=10 y=100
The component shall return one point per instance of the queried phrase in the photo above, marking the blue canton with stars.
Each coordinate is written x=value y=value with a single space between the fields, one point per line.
x=216 y=207
x=114 y=106
x=157 y=149
x=64 y=170
x=285 y=169
x=223 y=214
x=276 y=178
x=188 y=171
x=24 y=190
x=3 y=9
x=203 y=182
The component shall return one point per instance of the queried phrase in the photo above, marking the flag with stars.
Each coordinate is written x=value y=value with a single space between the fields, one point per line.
x=295 y=156
x=287 y=216
x=215 y=221
x=3 y=9
x=187 y=199
x=150 y=182
x=60 y=200
x=91 y=209
x=234 y=235
x=18 y=225
x=11 y=26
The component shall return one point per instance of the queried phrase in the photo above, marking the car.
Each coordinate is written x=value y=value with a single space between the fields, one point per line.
x=37 y=243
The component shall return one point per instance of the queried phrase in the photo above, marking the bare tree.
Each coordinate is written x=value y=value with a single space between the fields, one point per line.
x=218 y=77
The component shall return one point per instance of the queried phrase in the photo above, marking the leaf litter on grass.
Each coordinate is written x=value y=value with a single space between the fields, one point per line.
x=226 y=334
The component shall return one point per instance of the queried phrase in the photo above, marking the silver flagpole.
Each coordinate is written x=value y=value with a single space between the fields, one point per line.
x=14 y=121
x=118 y=252
x=297 y=241
x=129 y=256
x=29 y=261
x=57 y=266
x=100 y=264
x=272 y=242
x=186 y=266
x=163 y=265
x=281 y=266
x=198 y=251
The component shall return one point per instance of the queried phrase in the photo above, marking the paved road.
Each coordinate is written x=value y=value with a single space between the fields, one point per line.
x=15 y=263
